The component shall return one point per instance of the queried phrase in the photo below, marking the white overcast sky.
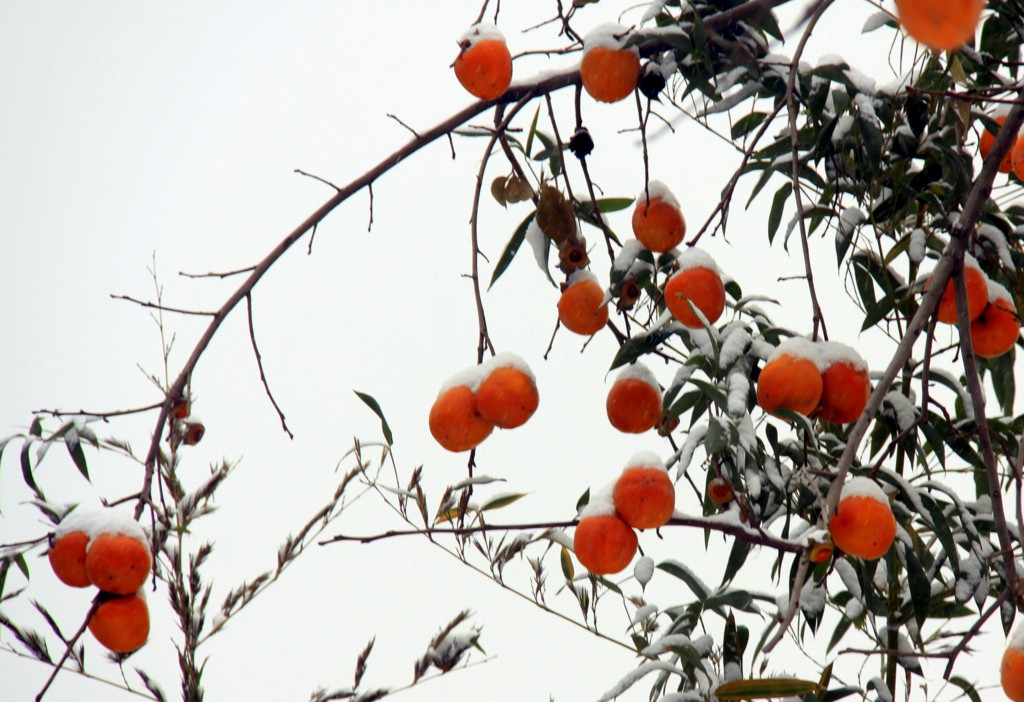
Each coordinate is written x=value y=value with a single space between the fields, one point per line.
x=135 y=132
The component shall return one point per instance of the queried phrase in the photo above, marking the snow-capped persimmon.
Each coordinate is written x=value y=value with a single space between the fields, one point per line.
x=658 y=221
x=507 y=395
x=644 y=495
x=976 y=283
x=863 y=524
x=997 y=328
x=604 y=543
x=697 y=283
x=845 y=385
x=942 y=25
x=121 y=623
x=634 y=400
x=118 y=563
x=582 y=308
x=484 y=64
x=1011 y=670
x=67 y=558
x=791 y=379
x=988 y=140
x=608 y=70
x=455 y=421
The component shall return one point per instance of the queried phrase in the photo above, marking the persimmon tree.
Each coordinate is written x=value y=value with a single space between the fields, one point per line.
x=887 y=179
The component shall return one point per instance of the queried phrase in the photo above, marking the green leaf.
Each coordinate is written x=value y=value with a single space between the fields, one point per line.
x=1003 y=381
x=747 y=124
x=22 y=564
x=717 y=438
x=511 y=248
x=74 y=447
x=765 y=689
x=568 y=569
x=584 y=500
x=372 y=404
x=778 y=204
x=737 y=557
x=607 y=204
x=502 y=501
x=26 y=471
x=967 y=687
x=678 y=570
x=36 y=427
x=920 y=587
x=533 y=130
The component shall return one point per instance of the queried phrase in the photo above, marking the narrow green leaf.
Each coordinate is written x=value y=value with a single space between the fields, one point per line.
x=372 y=404
x=36 y=427
x=26 y=470
x=764 y=688
x=678 y=570
x=74 y=447
x=584 y=500
x=502 y=501
x=747 y=124
x=607 y=204
x=568 y=569
x=22 y=564
x=778 y=205
x=967 y=687
x=533 y=130
x=737 y=557
x=511 y=248
x=920 y=586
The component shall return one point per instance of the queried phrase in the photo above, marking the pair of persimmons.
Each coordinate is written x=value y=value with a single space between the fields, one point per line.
x=609 y=70
x=995 y=326
x=107 y=549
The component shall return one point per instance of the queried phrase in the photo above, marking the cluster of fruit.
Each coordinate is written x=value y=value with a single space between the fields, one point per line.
x=501 y=392
x=995 y=326
x=107 y=549
x=825 y=379
x=643 y=497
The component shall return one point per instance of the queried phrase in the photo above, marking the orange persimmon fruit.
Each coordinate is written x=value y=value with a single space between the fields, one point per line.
x=976 y=283
x=863 y=524
x=845 y=385
x=67 y=558
x=582 y=308
x=1017 y=157
x=604 y=543
x=720 y=492
x=942 y=25
x=609 y=72
x=988 y=140
x=1011 y=670
x=644 y=495
x=118 y=563
x=997 y=328
x=658 y=221
x=121 y=623
x=634 y=400
x=791 y=379
x=698 y=282
x=484 y=64
x=507 y=396
x=455 y=421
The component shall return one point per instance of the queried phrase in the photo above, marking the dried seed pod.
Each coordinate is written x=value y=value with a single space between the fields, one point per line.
x=652 y=82
x=498 y=190
x=192 y=432
x=627 y=294
x=517 y=189
x=581 y=143
x=572 y=255
x=555 y=215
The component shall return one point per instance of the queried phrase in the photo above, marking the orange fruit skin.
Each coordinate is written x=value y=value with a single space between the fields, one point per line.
x=507 y=398
x=789 y=382
x=977 y=296
x=863 y=527
x=67 y=558
x=942 y=25
x=720 y=492
x=604 y=544
x=1011 y=674
x=820 y=553
x=996 y=330
x=485 y=68
x=988 y=140
x=703 y=288
x=633 y=406
x=661 y=227
x=581 y=309
x=117 y=563
x=644 y=497
x=1017 y=158
x=844 y=393
x=121 y=623
x=456 y=423
x=609 y=75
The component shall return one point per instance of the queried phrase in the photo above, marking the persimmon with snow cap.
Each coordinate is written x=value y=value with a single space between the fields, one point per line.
x=845 y=384
x=863 y=524
x=121 y=622
x=118 y=559
x=455 y=421
x=976 y=283
x=942 y=25
x=608 y=70
x=484 y=63
x=699 y=283
x=1011 y=669
x=634 y=400
x=791 y=378
x=582 y=308
x=997 y=328
x=67 y=553
x=603 y=542
x=644 y=495
x=658 y=221
x=507 y=395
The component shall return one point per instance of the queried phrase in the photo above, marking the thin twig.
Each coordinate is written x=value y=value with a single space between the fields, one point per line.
x=163 y=308
x=259 y=364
